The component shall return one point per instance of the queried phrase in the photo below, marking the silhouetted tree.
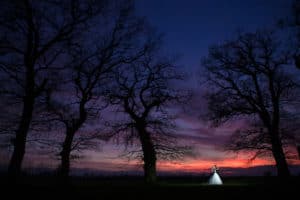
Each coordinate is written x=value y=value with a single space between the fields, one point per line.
x=33 y=35
x=76 y=108
x=291 y=24
x=144 y=91
x=88 y=72
x=248 y=78
x=294 y=22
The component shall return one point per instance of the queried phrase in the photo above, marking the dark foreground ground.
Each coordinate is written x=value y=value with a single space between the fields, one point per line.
x=184 y=188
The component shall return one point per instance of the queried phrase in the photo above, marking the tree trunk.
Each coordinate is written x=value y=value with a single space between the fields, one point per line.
x=278 y=153
x=150 y=167
x=149 y=157
x=64 y=168
x=15 y=164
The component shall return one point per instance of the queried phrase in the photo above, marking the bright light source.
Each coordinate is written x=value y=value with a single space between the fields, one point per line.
x=215 y=178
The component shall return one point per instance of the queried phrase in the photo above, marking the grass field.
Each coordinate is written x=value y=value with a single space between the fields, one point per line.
x=134 y=188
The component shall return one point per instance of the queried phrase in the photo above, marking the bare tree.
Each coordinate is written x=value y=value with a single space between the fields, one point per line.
x=71 y=111
x=32 y=40
x=249 y=79
x=88 y=73
x=293 y=22
x=143 y=92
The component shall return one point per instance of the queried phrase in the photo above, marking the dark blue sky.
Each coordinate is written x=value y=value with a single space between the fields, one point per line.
x=191 y=26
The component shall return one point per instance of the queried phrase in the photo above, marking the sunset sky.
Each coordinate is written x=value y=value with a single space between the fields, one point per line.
x=189 y=28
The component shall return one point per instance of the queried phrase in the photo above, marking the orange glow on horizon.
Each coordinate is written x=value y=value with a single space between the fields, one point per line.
x=203 y=165
x=192 y=165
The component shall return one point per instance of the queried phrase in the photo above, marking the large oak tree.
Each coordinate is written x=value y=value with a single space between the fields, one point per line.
x=145 y=91
x=249 y=77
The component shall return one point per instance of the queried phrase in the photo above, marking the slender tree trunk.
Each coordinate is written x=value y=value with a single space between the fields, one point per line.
x=64 y=168
x=149 y=157
x=15 y=164
x=278 y=153
x=71 y=130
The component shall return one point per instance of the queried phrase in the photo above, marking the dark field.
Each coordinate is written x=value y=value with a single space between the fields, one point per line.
x=134 y=188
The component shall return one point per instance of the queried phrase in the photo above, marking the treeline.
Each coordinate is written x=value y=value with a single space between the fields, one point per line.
x=64 y=62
